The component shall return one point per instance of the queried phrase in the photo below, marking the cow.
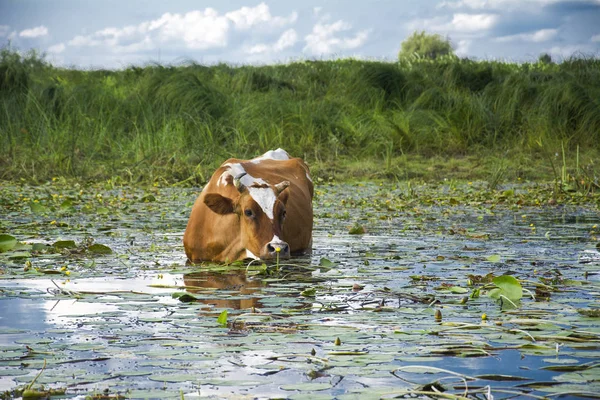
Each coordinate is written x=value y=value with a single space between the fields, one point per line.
x=258 y=209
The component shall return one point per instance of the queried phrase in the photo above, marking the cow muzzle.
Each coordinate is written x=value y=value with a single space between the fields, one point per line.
x=272 y=249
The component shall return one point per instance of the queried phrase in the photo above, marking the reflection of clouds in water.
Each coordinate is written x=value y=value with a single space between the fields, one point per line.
x=51 y=312
x=16 y=313
x=105 y=323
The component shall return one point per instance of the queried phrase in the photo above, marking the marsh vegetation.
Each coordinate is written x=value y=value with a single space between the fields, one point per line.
x=413 y=118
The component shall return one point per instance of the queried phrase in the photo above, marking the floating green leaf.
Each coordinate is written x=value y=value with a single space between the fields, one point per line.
x=19 y=255
x=67 y=204
x=591 y=312
x=40 y=247
x=507 y=286
x=222 y=320
x=98 y=248
x=148 y=198
x=324 y=262
x=7 y=242
x=65 y=244
x=494 y=258
x=357 y=229
x=184 y=297
x=37 y=208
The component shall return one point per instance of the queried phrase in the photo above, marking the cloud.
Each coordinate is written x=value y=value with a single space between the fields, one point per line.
x=260 y=48
x=197 y=29
x=205 y=29
x=34 y=32
x=248 y=17
x=473 y=22
x=570 y=50
x=541 y=35
x=4 y=30
x=500 y=5
x=323 y=40
x=460 y=23
x=57 y=48
x=462 y=49
x=595 y=38
x=288 y=39
x=569 y=6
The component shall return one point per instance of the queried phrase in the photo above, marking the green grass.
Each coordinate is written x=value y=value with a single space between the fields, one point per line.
x=347 y=118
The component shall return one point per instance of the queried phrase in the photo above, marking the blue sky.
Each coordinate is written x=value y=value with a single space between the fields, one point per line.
x=116 y=34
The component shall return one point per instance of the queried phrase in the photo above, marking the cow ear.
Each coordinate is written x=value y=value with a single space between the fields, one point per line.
x=283 y=197
x=219 y=204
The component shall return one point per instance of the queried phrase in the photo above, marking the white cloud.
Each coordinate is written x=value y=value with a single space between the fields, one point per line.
x=573 y=49
x=320 y=15
x=4 y=29
x=542 y=35
x=595 y=38
x=473 y=22
x=504 y=5
x=248 y=17
x=287 y=39
x=34 y=32
x=258 y=49
x=463 y=47
x=460 y=23
x=119 y=40
x=57 y=48
x=194 y=30
x=197 y=29
x=322 y=39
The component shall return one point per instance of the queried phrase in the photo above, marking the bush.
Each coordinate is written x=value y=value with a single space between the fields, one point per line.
x=424 y=45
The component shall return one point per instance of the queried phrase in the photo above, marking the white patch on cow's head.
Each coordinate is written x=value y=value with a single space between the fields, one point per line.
x=251 y=255
x=265 y=198
x=276 y=240
x=236 y=169
x=279 y=154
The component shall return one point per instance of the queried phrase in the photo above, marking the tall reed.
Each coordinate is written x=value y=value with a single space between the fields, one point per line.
x=176 y=121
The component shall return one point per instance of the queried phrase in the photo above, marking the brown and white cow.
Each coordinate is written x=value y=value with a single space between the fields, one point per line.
x=252 y=209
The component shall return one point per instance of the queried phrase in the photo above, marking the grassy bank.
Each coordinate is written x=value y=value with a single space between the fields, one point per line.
x=479 y=120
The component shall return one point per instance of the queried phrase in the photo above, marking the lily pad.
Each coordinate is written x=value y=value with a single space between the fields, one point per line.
x=508 y=286
x=65 y=244
x=98 y=248
x=7 y=242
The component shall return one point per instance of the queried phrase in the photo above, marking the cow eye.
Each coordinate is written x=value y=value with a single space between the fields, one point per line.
x=283 y=214
x=248 y=212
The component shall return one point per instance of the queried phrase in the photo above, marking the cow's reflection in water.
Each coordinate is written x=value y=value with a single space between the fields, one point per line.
x=226 y=291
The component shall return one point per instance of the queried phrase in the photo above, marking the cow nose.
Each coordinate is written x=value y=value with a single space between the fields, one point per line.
x=271 y=249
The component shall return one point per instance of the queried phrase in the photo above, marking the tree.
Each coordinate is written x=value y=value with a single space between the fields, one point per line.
x=426 y=45
x=545 y=58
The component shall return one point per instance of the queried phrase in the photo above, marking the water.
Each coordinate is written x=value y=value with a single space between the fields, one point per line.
x=113 y=323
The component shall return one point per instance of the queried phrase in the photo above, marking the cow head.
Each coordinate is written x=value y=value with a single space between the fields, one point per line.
x=261 y=211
